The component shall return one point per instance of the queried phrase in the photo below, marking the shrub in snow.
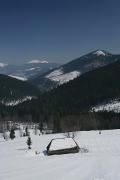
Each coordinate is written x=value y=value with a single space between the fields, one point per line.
x=12 y=134
x=70 y=135
x=67 y=134
x=26 y=131
x=84 y=150
x=29 y=142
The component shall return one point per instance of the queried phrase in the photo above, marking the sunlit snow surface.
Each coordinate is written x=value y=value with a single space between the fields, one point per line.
x=111 y=106
x=19 y=77
x=102 y=162
x=100 y=53
x=61 y=78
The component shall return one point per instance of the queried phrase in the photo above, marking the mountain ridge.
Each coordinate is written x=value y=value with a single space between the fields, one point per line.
x=73 y=69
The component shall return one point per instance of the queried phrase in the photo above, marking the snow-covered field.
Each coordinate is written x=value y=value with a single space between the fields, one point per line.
x=102 y=162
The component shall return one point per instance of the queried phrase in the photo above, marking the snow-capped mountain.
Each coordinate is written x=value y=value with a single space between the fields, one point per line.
x=28 y=70
x=98 y=89
x=101 y=53
x=74 y=68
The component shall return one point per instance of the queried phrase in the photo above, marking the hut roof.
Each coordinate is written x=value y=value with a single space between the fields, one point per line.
x=62 y=143
x=58 y=145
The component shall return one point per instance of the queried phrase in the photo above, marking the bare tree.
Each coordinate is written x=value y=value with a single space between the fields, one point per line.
x=70 y=134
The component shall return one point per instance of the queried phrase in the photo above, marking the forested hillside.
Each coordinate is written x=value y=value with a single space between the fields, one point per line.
x=12 y=89
x=69 y=105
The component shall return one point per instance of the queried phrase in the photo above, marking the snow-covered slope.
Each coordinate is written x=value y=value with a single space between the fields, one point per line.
x=111 y=106
x=102 y=162
x=60 y=77
x=18 y=77
x=16 y=102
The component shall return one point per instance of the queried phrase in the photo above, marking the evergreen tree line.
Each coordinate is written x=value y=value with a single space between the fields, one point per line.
x=70 y=122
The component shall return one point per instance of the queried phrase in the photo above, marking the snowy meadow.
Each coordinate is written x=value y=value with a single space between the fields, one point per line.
x=101 y=162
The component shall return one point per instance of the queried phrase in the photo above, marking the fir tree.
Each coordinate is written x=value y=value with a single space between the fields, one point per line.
x=29 y=142
x=12 y=134
x=26 y=131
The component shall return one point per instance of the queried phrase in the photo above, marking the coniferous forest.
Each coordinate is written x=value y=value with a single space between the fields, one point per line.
x=69 y=106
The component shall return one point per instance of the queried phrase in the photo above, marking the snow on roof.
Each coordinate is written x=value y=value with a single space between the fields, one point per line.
x=62 y=143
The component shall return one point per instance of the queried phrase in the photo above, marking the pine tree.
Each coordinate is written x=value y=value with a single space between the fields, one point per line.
x=29 y=142
x=12 y=134
x=26 y=131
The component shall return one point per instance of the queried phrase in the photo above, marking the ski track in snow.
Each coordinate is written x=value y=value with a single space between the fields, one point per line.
x=102 y=162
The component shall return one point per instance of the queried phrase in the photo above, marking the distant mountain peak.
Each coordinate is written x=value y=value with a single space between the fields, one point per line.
x=73 y=69
x=3 y=65
x=101 y=53
x=37 y=61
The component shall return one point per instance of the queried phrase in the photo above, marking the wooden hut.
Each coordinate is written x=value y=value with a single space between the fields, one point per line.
x=62 y=146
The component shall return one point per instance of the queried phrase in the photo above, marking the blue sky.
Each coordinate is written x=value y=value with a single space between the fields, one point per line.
x=57 y=30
